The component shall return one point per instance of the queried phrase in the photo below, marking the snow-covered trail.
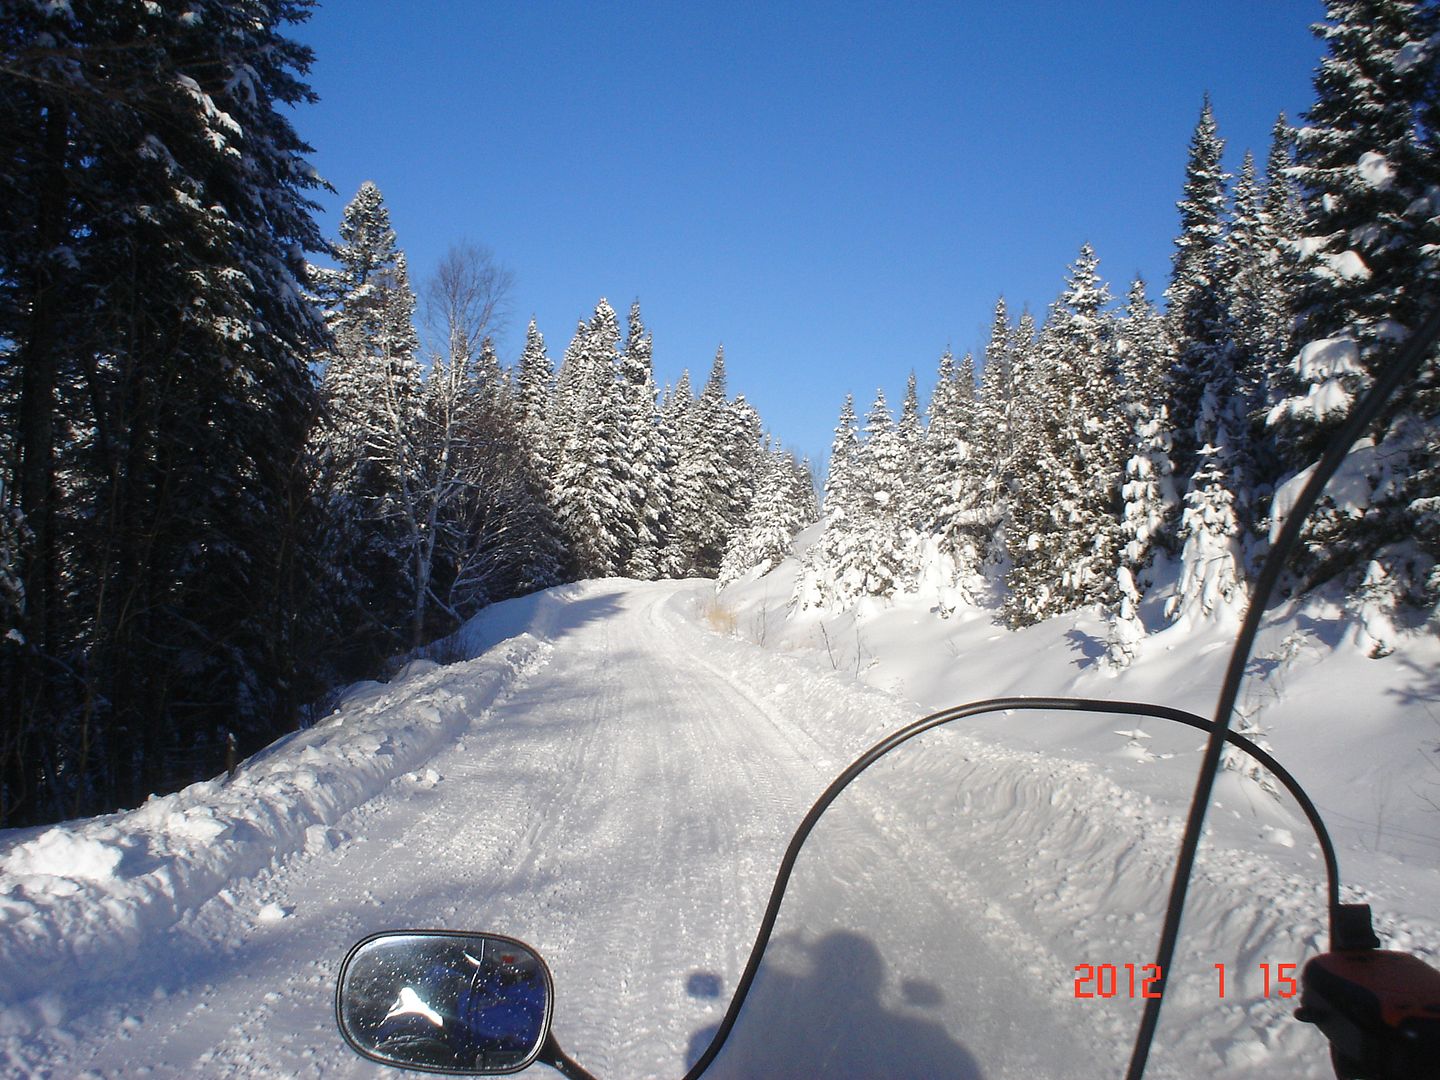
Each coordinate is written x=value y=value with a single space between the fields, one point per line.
x=623 y=810
x=612 y=780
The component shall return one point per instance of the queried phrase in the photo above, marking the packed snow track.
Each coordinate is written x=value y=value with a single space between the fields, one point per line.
x=618 y=796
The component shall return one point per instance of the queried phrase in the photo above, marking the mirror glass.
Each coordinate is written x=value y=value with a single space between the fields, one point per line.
x=447 y=1002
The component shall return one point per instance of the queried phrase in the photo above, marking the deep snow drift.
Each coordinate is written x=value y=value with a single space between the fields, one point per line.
x=611 y=775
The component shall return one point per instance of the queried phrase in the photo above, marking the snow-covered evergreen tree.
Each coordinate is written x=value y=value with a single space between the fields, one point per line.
x=818 y=584
x=706 y=474
x=1063 y=534
x=911 y=435
x=593 y=496
x=862 y=551
x=996 y=421
x=1199 y=322
x=678 y=432
x=838 y=480
x=152 y=286
x=742 y=454
x=1212 y=560
x=1149 y=500
x=1211 y=390
x=955 y=516
x=881 y=565
x=776 y=513
x=1366 y=162
x=371 y=385
x=647 y=459
x=534 y=387
x=1282 y=226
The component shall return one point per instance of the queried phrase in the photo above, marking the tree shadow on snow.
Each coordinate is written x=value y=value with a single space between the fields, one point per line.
x=818 y=1009
x=547 y=615
x=1088 y=646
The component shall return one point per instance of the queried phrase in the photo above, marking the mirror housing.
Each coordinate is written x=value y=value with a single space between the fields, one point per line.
x=441 y=1001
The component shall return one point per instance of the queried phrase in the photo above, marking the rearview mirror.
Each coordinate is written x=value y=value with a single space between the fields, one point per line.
x=445 y=1002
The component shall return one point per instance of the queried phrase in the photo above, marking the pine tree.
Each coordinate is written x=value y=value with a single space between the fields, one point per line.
x=153 y=324
x=593 y=495
x=1367 y=165
x=369 y=444
x=650 y=460
x=776 y=513
x=956 y=518
x=534 y=385
x=1063 y=535
x=996 y=426
x=819 y=582
x=1148 y=493
x=1199 y=324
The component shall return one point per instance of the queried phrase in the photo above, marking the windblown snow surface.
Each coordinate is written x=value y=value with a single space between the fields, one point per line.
x=611 y=771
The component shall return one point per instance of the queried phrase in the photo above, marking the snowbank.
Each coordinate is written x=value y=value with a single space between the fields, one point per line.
x=1362 y=735
x=79 y=900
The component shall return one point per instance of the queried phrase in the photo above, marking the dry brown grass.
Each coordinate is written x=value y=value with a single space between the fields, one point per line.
x=717 y=616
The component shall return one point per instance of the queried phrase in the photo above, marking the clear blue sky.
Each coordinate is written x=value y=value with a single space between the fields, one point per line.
x=835 y=191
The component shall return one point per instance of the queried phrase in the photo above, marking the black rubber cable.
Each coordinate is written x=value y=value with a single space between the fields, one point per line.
x=1403 y=367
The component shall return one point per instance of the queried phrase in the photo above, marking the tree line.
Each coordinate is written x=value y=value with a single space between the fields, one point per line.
x=1110 y=442
x=231 y=479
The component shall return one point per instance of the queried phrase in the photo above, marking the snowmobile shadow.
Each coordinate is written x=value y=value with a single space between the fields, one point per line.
x=824 y=1008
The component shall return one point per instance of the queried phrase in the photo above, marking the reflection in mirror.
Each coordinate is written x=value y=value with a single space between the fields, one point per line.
x=446 y=1002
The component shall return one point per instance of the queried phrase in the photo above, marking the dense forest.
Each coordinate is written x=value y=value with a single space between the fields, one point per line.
x=1117 y=451
x=243 y=463
x=234 y=479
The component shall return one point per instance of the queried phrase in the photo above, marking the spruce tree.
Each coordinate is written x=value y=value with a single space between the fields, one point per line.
x=882 y=558
x=1367 y=165
x=818 y=585
x=996 y=427
x=863 y=550
x=777 y=512
x=706 y=474
x=646 y=460
x=1212 y=389
x=1149 y=500
x=955 y=519
x=1063 y=534
x=1282 y=229
x=153 y=323
x=911 y=435
x=1199 y=324
x=534 y=389
x=593 y=496
x=368 y=444
x=674 y=437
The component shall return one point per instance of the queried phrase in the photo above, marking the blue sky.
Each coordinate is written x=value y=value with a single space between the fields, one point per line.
x=835 y=191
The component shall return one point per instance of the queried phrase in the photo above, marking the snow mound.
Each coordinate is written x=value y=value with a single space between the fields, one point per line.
x=60 y=853
x=78 y=900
